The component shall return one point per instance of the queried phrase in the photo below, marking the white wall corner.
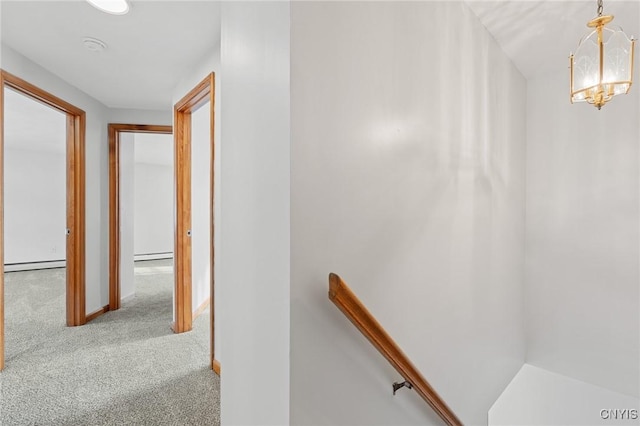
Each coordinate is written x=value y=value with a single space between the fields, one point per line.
x=254 y=270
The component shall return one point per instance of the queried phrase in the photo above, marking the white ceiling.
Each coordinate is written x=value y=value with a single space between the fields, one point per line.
x=538 y=36
x=152 y=46
x=148 y=50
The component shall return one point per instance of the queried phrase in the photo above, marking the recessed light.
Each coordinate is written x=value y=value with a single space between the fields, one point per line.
x=115 y=7
x=94 y=45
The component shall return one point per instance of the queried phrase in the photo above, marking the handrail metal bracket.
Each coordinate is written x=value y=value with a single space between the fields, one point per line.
x=347 y=302
x=397 y=386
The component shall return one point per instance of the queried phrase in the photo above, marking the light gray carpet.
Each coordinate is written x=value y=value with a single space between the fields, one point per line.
x=124 y=368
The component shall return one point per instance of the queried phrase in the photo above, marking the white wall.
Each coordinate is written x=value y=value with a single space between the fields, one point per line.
x=408 y=143
x=253 y=274
x=35 y=205
x=141 y=116
x=154 y=204
x=540 y=397
x=35 y=185
x=582 y=293
x=96 y=154
x=200 y=207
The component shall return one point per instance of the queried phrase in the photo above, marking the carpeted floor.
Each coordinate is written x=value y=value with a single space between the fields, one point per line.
x=124 y=368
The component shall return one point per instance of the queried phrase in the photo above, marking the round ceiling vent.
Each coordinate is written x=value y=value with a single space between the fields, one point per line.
x=93 y=44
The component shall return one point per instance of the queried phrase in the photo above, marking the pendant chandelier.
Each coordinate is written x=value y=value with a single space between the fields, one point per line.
x=602 y=66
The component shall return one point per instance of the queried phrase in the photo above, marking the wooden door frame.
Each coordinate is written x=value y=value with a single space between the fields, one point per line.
x=201 y=94
x=75 y=189
x=115 y=129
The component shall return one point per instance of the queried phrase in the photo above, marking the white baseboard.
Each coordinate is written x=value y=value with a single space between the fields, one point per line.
x=152 y=256
x=15 y=267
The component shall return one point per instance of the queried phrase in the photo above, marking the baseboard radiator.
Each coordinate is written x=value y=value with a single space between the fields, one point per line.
x=31 y=266
x=51 y=264
x=152 y=256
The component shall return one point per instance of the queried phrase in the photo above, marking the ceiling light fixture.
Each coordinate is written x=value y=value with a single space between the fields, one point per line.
x=602 y=66
x=115 y=7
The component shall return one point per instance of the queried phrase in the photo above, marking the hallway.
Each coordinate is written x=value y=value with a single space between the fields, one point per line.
x=125 y=367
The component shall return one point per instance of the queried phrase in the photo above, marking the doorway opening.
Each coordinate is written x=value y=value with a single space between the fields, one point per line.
x=188 y=126
x=141 y=219
x=74 y=188
x=122 y=137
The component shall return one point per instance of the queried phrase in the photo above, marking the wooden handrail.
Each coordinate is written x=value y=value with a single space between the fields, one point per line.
x=342 y=296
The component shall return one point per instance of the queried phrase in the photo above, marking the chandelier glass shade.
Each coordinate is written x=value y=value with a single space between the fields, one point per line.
x=602 y=66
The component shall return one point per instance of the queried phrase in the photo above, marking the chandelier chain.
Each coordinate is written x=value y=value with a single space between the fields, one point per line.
x=600 y=7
